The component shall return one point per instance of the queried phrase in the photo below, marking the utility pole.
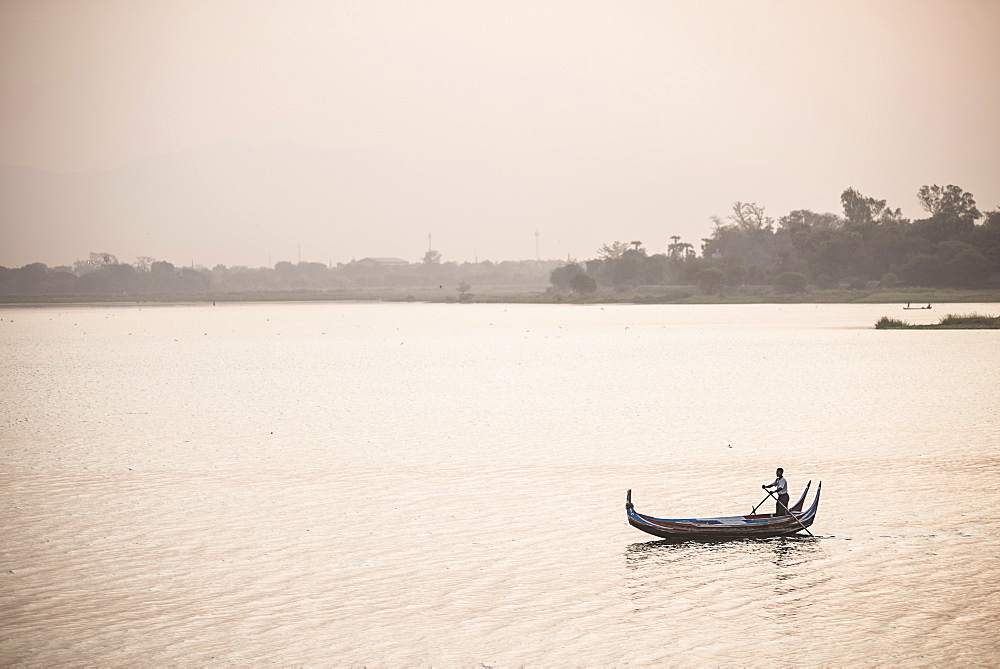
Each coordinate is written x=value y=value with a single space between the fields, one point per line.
x=538 y=257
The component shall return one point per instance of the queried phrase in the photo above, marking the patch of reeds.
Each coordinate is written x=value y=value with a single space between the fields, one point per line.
x=970 y=321
x=886 y=323
x=949 y=322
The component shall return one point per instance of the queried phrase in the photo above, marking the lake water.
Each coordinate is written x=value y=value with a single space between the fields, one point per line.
x=443 y=485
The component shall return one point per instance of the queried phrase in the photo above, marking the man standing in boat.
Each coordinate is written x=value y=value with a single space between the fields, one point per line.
x=781 y=487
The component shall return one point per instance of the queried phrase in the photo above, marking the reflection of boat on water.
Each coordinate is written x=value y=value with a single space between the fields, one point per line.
x=754 y=525
x=909 y=307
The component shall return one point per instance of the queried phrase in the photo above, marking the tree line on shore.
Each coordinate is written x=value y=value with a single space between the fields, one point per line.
x=104 y=274
x=869 y=244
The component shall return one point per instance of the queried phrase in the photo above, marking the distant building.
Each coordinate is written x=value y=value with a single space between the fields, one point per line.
x=383 y=262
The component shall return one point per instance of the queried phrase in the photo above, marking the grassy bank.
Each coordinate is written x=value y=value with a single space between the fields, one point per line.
x=949 y=322
x=538 y=295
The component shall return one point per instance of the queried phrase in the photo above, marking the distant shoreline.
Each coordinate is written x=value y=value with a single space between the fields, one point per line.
x=657 y=295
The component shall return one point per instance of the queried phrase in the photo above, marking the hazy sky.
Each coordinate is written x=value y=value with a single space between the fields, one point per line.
x=589 y=121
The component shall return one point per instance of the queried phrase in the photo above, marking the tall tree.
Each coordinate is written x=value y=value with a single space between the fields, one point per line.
x=950 y=200
x=678 y=249
x=614 y=251
x=750 y=216
x=143 y=263
x=747 y=234
x=858 y=209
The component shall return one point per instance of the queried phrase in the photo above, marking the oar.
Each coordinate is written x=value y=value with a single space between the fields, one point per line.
x=770 y=494
x=761 y=502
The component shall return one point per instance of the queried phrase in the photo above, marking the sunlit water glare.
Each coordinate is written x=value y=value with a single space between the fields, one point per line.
x=414 y=485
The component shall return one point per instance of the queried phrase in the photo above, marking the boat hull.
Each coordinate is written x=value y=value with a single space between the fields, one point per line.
x=731 y=527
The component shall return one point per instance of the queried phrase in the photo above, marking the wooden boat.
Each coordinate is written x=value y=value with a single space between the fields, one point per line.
x=909 y=307
x=752 y=526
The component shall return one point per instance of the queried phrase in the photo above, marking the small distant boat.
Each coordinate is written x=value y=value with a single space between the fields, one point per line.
x=909 y=307
x=729 y=527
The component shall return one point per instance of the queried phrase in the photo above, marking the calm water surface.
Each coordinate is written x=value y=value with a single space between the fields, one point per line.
x=416 y=485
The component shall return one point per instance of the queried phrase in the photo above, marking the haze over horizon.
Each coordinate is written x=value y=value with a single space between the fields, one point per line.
x=233 y=132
